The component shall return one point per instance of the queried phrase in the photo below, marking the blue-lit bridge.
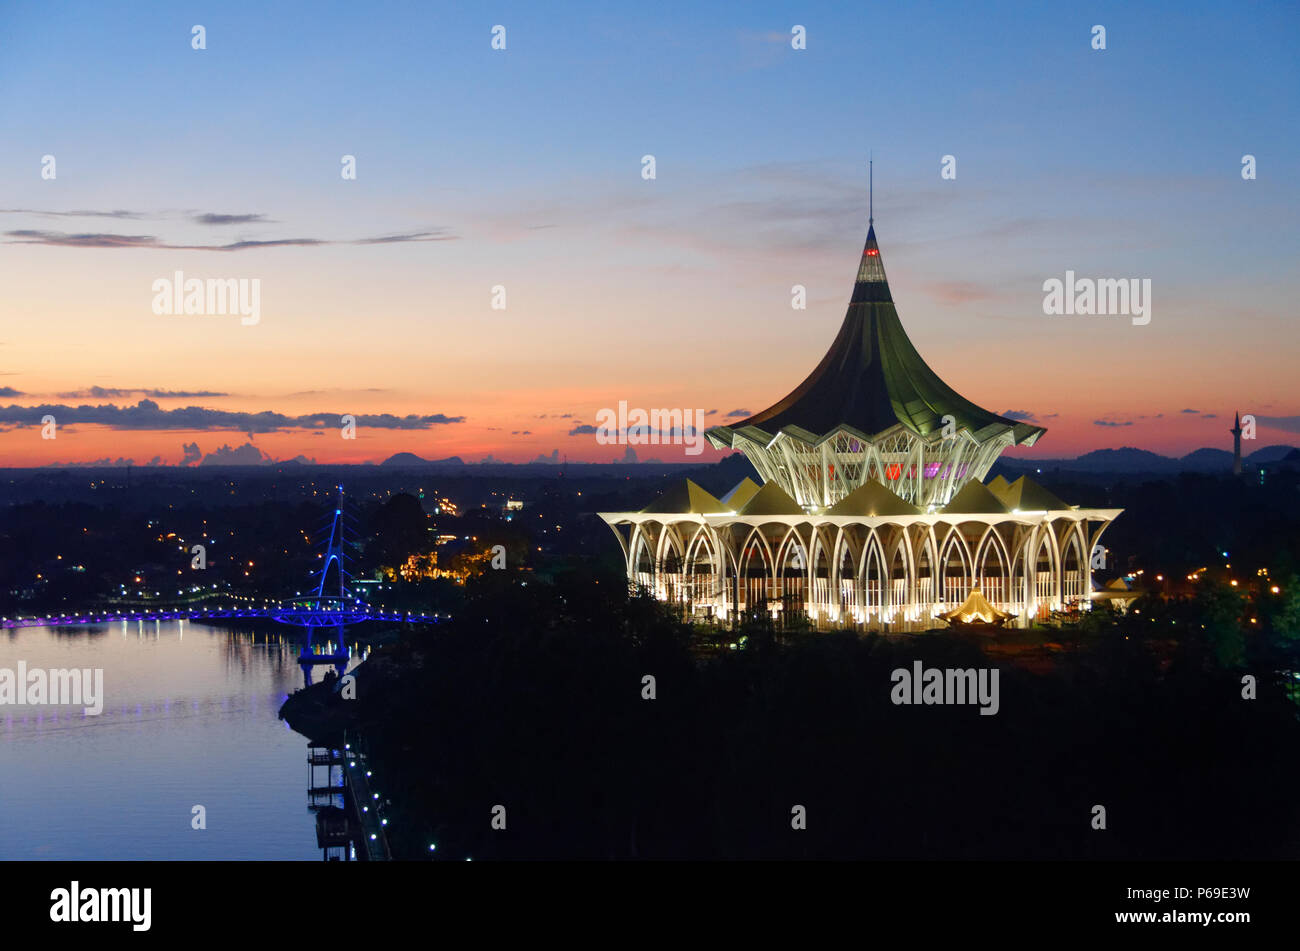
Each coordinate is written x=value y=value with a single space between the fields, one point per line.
x=335 y=609
x=297 y=616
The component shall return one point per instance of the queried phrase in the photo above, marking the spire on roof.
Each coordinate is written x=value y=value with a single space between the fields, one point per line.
x=871 y=285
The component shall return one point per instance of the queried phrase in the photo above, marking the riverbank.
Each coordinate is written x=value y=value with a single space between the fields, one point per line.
x=571 y=721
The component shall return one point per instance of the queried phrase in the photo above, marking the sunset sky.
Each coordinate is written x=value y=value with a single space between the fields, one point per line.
x=522 y=168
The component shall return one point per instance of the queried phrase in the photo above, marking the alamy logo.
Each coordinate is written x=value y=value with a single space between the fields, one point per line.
x=39 y=687
x=103 y=904
x=1104 y=297
x=946 y=685
x=656 y=427
x=215 y=297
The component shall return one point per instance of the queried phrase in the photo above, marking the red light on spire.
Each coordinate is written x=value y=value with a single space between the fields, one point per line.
x=871 y=252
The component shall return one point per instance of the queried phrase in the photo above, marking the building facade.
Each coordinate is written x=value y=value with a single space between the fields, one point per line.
x=873 y=513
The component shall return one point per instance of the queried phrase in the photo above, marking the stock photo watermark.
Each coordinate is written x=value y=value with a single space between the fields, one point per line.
x=946 y=685
x=1103 y=297
x=211 y=297
x=655 y=427
x=67 y=687
x=77 y=904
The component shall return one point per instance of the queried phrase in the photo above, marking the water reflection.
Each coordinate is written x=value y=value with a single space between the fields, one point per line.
x=189 y=718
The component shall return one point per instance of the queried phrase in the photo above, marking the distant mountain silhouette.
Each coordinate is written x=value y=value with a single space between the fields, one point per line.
x=1270 y=454
x=1130 y=459
x=1207 y=460
x=411 y=459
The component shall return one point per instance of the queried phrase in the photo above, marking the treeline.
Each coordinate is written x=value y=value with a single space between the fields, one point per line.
x=533 y=700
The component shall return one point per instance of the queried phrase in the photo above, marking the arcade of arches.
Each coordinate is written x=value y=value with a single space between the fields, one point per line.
x=887 y=573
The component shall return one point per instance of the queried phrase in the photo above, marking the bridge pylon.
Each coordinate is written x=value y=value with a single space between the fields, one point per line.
x=331 y=602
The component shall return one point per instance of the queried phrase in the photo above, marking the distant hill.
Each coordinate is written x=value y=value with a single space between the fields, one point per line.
x=1269 y=454
x=1132 y=460
x=411 y=459
x=1207 y=460
x=1126 y=459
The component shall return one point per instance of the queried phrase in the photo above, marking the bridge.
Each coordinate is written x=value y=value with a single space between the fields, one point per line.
x=285 y=615
x=335 y=609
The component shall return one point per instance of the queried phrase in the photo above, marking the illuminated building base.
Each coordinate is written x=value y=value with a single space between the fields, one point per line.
x=886 y=572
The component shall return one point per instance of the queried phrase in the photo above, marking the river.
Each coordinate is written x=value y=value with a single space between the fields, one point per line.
x=189 y=718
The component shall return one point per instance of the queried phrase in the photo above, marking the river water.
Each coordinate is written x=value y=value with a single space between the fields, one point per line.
x=189 y=718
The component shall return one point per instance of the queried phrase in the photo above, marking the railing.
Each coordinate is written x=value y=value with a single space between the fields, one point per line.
x=284 y=615
x=368 y=804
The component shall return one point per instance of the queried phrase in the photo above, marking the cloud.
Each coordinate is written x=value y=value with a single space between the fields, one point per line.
x=552 y=459
x=103 y=392
x=118 y=213
x=105 y=462
x=62 y=239
x=245 y=455
x=378 y=420
x=738 y=414
x=583 y=429
x=1209 y=416
x=191 y=453
x=245 y=245
x=1189 y=411
x=411 y=236
x=629 y=455
x=1107 y=422
x=1019 y=415
x=1289 y=424
x=208 y=218
x=147 y=415
x=10 y=391
x=644 y=432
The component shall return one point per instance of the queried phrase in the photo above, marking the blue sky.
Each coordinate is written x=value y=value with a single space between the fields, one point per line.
x=1122 y=162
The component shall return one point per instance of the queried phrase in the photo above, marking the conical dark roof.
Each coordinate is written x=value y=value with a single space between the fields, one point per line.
x=740 y=493
x=682 y=498
x=974 y=498
x=871 y=380
x=1027 y=495
x=771 y=499
x=872 y=499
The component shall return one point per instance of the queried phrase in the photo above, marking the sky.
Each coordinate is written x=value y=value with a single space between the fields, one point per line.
x=484 y=173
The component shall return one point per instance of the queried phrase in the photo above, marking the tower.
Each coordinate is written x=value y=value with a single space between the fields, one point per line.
x=1236 y=444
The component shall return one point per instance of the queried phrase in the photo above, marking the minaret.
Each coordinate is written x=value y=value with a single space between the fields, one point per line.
x=1236 y=444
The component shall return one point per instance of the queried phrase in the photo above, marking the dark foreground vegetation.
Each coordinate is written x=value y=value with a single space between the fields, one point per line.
x=532 y=700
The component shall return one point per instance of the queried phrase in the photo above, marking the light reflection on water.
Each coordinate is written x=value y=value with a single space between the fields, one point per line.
x=189 y=717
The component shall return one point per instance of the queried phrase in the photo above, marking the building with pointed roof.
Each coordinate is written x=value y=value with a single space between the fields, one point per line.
x=1236 y=443
x=873 y=513
x=873 y=411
